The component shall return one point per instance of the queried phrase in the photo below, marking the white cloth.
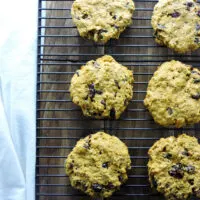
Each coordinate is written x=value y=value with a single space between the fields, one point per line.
x=18 y=43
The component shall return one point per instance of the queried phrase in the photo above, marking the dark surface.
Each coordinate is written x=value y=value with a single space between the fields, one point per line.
x=60 y=123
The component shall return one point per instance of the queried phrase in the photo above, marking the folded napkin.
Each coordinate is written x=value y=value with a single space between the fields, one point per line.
x=18 y=44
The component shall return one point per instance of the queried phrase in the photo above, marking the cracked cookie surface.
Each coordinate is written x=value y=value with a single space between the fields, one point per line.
x=177 y=24
x=98 y=164
x=174 y=167
x=102 y=88
x=173 y=95
x=102 y=20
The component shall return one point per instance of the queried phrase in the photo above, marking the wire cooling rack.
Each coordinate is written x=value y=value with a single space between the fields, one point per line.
x=60 y=123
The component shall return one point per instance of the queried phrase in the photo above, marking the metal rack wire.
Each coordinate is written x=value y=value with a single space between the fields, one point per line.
x=60 y=123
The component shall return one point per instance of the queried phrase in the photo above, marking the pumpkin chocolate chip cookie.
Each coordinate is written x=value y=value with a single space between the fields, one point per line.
x=102 y=88
x=174 y=167
x=98 y=164
x=102 y=20
x=173 y=95
x=177 y=24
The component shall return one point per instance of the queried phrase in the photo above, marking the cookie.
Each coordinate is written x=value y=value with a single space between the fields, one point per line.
x=173 y=95
x=177 y=24
x=102 y=88
x=174 y=167
x=96 y=166
x=102 y=20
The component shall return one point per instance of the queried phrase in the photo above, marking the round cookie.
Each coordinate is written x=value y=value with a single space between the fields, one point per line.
x=174 y=167
x=102 y=88
x=173 y=95
x=96 y=166
x=177 y=24
x=102 y=20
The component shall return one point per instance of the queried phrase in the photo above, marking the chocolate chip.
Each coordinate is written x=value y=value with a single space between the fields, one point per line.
x=98 y=92
x=185 y=153
x=110 y=186
x=196 y=80
x=71 y=166
x=154 y=182
x=188 y=74
x=168 y=155
x=198 y=13
x=195 y=96
x=191 y=181
x=85 y=16
x=189 y=169
x=176 y=174
x=113 y=16
x=112 y=113
x=117 y=27
x=117 y=84
x=190 y=4
x=197 y=27
x=175 y=14
x=105 y=165
x=97 y=187
x=91 y=32
x=77 y=73
x=91 y=91
x=176 y=171
x=164 y=149
x=170 y=111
